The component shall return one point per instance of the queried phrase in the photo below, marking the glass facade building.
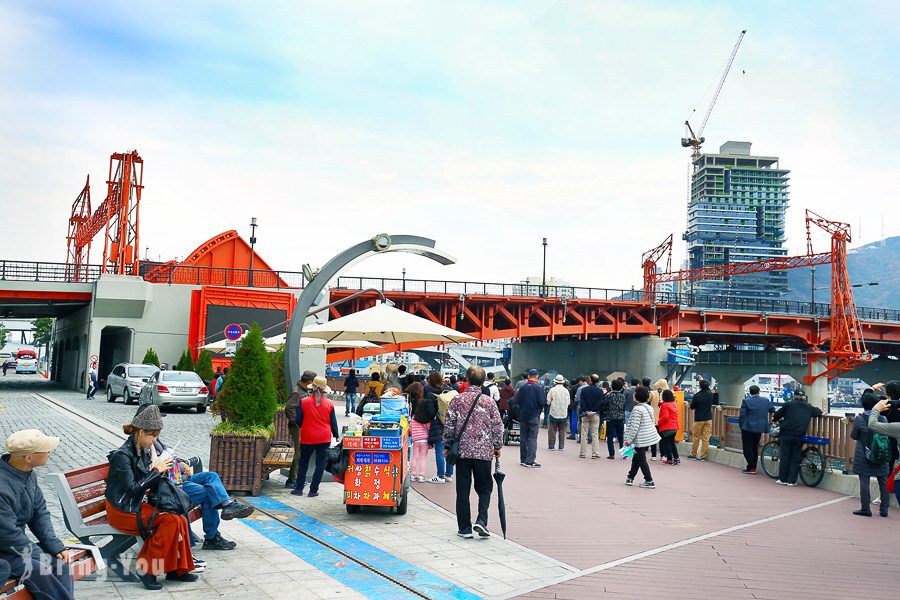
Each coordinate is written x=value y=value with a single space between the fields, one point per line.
x=736 y=213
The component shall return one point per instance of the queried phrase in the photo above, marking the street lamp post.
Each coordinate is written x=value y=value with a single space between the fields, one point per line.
x=812 y=287
x=252 y=244
x=544 y=275
x=404 y=279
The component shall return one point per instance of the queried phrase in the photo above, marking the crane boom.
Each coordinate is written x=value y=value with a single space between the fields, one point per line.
x=695 y=138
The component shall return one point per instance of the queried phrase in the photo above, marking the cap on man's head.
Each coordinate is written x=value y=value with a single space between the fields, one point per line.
x=533 y=373
x=29 y=441
x=308 y=376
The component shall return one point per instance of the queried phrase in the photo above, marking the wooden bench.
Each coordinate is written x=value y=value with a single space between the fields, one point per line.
x=82 y=565
x=84 y=511
x=279 y=456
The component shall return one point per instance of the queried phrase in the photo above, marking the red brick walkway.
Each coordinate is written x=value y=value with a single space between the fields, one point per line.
x=579 y=511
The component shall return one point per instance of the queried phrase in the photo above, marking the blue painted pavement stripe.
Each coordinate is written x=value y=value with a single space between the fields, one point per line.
x=378 y=559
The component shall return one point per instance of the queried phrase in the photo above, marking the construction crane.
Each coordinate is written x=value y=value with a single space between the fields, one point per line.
x=846 y=348
x=694 y=139
x=649 y=261
x=118 y=214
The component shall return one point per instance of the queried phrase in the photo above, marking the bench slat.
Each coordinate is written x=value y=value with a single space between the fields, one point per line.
x=90 y=492
x=92 y=508
x=87 y=476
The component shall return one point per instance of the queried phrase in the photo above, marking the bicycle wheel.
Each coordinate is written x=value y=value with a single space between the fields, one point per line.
x=769 y=457
x=812 y=466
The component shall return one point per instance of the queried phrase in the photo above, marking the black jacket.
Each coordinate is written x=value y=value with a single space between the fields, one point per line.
x=130 y=476
x=591 y=400
x=702 y=404
x=795 y=416
x=436 y=431
x=22 y=503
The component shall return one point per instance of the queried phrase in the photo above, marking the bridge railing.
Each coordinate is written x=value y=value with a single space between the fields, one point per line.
x=198 y=275
x=725 y=432
x=21 y=270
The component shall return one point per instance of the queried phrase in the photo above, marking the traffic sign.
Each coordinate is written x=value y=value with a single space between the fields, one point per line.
x=233 y=332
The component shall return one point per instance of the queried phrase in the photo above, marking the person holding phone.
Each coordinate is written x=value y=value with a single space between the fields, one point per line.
x=167 y=546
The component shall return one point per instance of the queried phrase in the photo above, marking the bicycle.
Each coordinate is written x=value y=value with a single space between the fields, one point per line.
x=813 y=462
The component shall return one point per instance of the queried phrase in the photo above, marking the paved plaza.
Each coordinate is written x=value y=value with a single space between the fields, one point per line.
x=575 y=531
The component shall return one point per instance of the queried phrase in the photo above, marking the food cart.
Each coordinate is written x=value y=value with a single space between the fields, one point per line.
x=378 y=466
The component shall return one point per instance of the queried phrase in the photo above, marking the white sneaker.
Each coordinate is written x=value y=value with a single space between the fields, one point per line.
x=436 y=479
x=653 y=458
x=421 y=479
x=780 y=482
x=449 y=478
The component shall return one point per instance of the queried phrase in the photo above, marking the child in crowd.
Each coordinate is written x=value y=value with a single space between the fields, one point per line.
x=668 y=427
x=418 y=431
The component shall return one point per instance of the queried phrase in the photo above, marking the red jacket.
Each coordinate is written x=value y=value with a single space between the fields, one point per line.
x=668 y=416
x=318 y=424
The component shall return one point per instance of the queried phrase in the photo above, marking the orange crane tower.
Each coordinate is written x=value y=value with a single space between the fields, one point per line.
x=846 y=348
x=118 y=214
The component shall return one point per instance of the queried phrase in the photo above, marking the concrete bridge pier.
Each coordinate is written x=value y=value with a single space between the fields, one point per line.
x=637 y=356
x=817 y=392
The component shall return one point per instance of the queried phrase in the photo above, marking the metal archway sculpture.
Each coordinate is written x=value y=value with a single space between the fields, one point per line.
x=379 y=244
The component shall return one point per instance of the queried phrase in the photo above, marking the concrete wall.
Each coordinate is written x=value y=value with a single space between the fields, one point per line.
x=639 y=357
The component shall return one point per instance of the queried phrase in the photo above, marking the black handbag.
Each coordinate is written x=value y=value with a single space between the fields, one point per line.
x=166 y=498
x=453 y=446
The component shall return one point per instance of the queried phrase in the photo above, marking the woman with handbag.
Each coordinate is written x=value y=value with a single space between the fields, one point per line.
x=166 y=547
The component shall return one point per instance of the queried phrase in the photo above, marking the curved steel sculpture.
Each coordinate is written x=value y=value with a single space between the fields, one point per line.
x=379 y=244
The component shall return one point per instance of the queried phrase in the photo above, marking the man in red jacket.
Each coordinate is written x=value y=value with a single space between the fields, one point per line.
x=318 y=425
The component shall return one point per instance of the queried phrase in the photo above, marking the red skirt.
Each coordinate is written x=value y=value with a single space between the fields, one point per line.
x=167 y=550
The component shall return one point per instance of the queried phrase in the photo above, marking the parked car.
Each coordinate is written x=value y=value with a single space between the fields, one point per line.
x=126 y=380
x=26 y=361
x=176 y=388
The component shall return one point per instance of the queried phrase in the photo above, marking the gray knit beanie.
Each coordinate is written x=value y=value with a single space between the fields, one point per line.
x=148 y=419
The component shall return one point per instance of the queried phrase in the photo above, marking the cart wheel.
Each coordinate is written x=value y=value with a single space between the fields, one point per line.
x=401 y=508
x=352 y=509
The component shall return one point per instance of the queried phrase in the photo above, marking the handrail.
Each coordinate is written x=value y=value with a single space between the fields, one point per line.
x=166 y=273
x=841 y=447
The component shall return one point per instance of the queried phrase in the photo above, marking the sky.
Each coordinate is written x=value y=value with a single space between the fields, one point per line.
x=486 y=126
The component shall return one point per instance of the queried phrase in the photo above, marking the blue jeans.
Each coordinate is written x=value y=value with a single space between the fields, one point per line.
x=444 y=469
x=574 y=422
x=351 y=403
x=206 y=490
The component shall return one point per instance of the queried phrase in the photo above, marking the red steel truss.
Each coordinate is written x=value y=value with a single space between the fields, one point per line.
x=846 y=346
x=119 y=214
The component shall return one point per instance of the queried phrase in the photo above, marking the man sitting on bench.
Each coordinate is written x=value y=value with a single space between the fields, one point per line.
x=46 y=573
x=206 y=491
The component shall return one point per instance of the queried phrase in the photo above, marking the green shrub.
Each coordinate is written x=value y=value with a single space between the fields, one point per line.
x=185 y=363
x=204 y=367
x=150 y=357
x=247 y=397
x=282 y=389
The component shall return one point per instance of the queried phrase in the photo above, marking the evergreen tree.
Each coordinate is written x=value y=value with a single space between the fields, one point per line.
x=282 y=389
x=204 y=367
x=150 y=358
x=185 y=363
x=248 y=395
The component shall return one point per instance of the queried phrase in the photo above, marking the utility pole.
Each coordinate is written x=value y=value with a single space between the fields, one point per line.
x=252 y=244
x=544 y=275
x=404 y=279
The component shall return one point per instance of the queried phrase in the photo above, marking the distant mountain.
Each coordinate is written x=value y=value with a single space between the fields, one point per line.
x=870 y=263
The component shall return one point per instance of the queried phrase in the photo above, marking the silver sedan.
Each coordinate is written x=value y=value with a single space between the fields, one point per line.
x=175 y=388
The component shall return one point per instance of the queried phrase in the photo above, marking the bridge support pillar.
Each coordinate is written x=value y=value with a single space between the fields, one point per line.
x=638 y=357
x=731 y=393
x=817 y=391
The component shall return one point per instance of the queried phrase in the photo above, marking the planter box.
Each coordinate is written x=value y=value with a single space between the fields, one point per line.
x=238 y=461
x=281 y=428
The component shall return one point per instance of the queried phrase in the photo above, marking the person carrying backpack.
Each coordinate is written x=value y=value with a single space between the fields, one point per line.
x=871 y=458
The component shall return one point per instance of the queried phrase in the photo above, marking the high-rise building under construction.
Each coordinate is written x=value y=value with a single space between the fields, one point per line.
x=736 y=214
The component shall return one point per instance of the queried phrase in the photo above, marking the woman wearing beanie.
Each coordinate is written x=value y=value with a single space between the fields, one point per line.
x=167 y=549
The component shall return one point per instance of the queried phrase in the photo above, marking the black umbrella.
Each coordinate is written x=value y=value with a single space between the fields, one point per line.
x=499 y=476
